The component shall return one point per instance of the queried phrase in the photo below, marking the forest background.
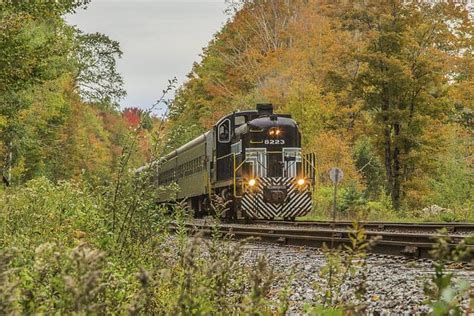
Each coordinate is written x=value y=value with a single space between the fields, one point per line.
x=381 y=89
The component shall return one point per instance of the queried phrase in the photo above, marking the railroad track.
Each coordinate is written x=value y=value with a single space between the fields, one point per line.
x=428 y=227
x=416 y=245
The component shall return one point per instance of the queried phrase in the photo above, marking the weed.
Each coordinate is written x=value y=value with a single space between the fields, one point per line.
x=342 y=266
x=444 y=293
x=8 y=285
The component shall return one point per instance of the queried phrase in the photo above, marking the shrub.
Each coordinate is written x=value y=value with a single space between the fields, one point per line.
x=59 y=254
x=443 y=292
x=352 y=201
x=41 y=211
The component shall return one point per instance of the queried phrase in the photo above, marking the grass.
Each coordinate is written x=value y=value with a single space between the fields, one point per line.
x=390 y=216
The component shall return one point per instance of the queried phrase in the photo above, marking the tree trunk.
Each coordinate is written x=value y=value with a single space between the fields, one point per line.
x=395 y=193
x=387 y=138
x=9 y=162
x=7 y=172
x=388 y=157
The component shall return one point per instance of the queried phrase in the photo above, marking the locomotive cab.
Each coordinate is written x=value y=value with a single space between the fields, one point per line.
x=274 y=143
x=224 y=138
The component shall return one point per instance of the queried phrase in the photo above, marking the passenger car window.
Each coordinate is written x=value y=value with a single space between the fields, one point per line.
x=223 y=131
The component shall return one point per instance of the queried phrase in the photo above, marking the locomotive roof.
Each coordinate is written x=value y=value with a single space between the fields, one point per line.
x=250 y=112
x=246 y=112
x=262 y=121
x=272 y=120
x=199 y=139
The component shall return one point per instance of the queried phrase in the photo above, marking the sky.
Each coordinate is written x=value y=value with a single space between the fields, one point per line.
x=160 y=39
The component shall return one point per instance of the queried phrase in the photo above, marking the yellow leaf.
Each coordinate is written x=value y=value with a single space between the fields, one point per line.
x=375 y=298
x=3 y=121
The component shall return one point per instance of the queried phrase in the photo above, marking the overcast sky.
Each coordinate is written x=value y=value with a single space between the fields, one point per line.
x=160 y=39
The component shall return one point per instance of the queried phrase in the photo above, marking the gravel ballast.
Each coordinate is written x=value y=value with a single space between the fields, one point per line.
x=394 y=285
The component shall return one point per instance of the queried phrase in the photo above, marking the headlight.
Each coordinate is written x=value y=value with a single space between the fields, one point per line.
x=301 y=182
x=252 y=182
x=274 y=131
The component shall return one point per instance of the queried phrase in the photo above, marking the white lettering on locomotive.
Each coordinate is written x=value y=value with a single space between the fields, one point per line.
x=274 y=141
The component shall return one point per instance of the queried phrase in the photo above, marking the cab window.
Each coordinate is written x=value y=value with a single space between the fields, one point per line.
x=223 y=131
x=239 y=120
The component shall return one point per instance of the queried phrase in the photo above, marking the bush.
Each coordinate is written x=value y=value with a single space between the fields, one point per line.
x=323 y=201
x=60 y=254
x=41 y=211
x=369 y=166
x=353 y=201
x=435 y=213
x=379 y=210
x=351 y=204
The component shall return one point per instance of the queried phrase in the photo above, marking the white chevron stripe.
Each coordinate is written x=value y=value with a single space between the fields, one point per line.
x=297 y=203
x=263 y=208
x=293 y=208
x=246 y=206
x=291 y=197
x=304 y=206
x=249 y=206
x=296 y=207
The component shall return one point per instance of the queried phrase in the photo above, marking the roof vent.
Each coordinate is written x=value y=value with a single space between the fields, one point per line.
x=264 y=109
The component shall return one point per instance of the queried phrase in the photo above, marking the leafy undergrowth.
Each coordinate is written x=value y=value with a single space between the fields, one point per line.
x=354 y=204
x=377 y=211
x=61 y=252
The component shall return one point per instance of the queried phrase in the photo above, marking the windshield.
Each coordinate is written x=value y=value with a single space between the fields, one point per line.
x=274 y=163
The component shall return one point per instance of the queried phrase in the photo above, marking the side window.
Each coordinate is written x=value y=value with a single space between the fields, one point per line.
x=223 y=131
x=257 y=157
x=239 y=120
x=291 y=159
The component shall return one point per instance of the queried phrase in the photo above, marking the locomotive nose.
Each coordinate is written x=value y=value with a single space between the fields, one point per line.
x=274 y=194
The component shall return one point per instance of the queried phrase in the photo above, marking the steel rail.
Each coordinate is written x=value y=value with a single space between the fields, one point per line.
x=413 y=245
x=464 y=228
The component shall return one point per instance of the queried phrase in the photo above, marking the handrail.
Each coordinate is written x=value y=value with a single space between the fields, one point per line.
x=305 y=163
x=288 y=167
x=308 y=166
x=235 y=172
x=234 y=155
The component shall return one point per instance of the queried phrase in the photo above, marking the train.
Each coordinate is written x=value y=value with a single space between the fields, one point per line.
x=250 y=161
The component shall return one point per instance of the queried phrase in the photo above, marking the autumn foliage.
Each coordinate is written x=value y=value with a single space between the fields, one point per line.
x=391 y=75
x=59 y=88
x=381 y=89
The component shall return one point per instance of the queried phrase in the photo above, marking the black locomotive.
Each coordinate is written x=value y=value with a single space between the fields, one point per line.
x=250 y=159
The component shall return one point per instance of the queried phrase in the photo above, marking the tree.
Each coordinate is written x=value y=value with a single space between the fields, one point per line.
x=135 y=117
x=42 y=62
x=405 y=77
x=131 y=117
x=34 y=45
x=369 y=166
x=97 y=76
x=379 y=80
